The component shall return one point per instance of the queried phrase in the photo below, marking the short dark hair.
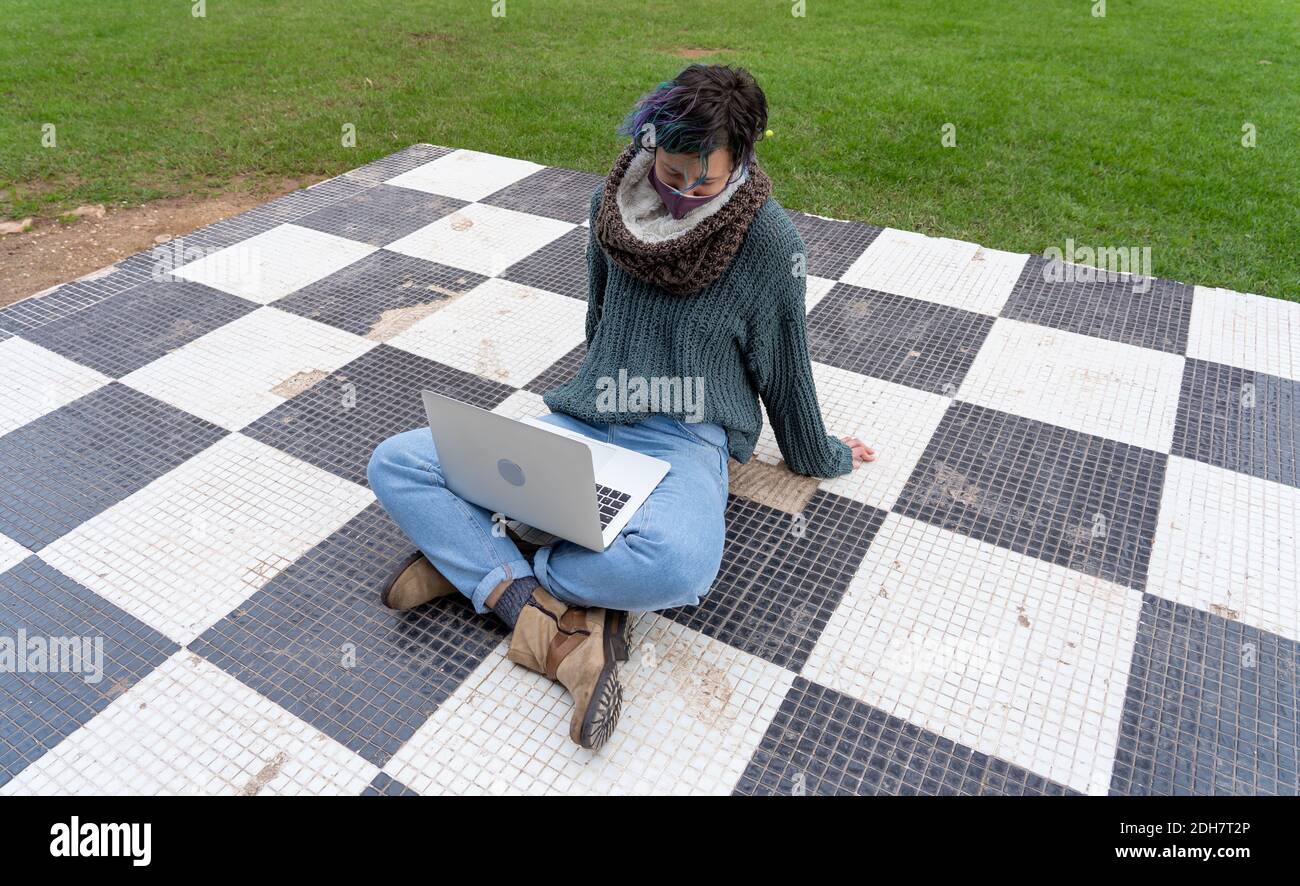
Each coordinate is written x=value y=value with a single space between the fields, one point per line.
x=703 y=108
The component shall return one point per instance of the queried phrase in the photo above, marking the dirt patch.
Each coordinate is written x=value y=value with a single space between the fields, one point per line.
x=421 y=38
x=50 y=253
x=704 y=687
x=694 y=52
x=269 y=771
x=487 y=362
x=297 y=383
x=951 y=485
x=773 y=485
x=1224 y=612
x=398 y=320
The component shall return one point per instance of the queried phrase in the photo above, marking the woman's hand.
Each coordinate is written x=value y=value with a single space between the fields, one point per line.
x=861 y=451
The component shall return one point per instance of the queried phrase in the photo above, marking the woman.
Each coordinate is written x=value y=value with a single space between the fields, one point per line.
x=693 y=277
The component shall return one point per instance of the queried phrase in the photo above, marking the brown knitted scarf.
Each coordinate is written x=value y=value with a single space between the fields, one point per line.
x=692 y=261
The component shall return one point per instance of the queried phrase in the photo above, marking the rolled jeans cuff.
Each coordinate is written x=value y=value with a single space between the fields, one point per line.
x=507 y=572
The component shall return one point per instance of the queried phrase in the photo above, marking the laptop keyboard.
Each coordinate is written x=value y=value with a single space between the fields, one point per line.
x=609 y=502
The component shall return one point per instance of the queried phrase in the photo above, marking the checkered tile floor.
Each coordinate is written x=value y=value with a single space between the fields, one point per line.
x=1073 y=568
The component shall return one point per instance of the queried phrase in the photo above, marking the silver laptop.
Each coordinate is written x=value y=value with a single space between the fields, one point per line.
x=549 y=478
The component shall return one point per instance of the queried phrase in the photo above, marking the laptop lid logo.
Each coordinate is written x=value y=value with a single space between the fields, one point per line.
x=510 y=472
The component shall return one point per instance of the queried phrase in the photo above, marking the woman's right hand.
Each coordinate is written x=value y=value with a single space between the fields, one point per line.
x=861 y=451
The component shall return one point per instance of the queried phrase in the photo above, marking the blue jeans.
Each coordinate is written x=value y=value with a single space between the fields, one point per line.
x=667 y=555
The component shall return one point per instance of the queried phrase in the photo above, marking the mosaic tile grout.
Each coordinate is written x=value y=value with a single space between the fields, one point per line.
x=1050 y=582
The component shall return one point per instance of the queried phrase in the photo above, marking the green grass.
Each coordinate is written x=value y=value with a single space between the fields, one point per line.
x=1119 y=131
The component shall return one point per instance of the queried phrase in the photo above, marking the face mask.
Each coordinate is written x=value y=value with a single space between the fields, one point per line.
x=678 y=204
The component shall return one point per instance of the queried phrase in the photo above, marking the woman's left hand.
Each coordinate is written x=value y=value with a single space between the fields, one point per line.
x=861 y=451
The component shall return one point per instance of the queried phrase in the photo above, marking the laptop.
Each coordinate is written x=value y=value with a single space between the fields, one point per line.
x=549 y=478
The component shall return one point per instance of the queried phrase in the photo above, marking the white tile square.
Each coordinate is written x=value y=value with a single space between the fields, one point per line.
x=1249 y=331
x=950 y=272
x=189 y=728
x=1114 y=390
x=189 y=548
x=466 y=175
x=522 y=404
x=1227 y=543
x=11 y=553
x=481 y=238
x=244 y=369
x=694 y=710
x=504 y=331
x=1006 y=654
x=35 y=380
x=895 y=420
x=274 y=263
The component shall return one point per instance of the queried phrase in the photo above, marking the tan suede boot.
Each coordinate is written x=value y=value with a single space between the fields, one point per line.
x=575 y=647
x=621 y=625
x=415 y=582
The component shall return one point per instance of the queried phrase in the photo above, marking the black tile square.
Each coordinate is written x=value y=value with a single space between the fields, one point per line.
x=1063 y=496
x=119 y=335
x=39 y=707
x=559 y=372
x=68 y=465
x=337 y=422
x=317 y=641
x=833 y=246
x=1211 y=707
x=258 y=220
x=210 y=238
x=384 y=785
x=554 y=192
x=1240 y=420
x=560 y=266
x=305 y=201
x=385 y=168
x=1157 y=318
x=261 y=219
x=23 y=316
x=896 y=338
x=380 y=295
x=153 y=265
x=380 y=214
x=824 y=743
x=782 y=575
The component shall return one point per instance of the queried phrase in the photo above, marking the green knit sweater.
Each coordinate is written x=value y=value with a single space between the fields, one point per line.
x=741 y=338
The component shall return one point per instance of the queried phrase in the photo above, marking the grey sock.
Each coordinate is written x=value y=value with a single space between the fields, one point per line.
x=513 y=598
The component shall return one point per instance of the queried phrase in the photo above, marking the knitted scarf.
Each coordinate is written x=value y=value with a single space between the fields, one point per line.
x=688 y=263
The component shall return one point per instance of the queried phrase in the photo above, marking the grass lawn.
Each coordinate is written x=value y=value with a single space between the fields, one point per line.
x=1117 y=131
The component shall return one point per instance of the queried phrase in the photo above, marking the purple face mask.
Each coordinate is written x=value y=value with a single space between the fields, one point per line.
x=678 y=204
